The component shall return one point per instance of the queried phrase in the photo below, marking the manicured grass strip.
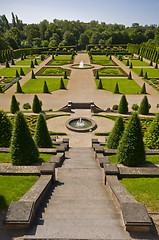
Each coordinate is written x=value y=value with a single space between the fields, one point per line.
x=27 y=62
x=103 y=63
x=36 y=85
x=12 y=188
x=63 y=57
x=136 y=63
x=151 y=72
x=62 y=62
x=144 y=190
x=110 y=72
x=100 y=57
x=126 y=86
x=11 y=72
x=52 y=71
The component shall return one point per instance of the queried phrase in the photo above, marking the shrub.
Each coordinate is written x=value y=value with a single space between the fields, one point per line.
x=116 y=90
x=62 y=85
x=22 y=72
x=65 y=75
x=141 y=73
x=127 y=63
x=141 y=58
x=53 y=57
x=135 y=107
x=144 y=106
x=156 y=65
x=151 y=63
x=130 y=76
x=131 y=66
x=152 y=135
x=123 y=105
x=22 y=58
x=100 y=85
x=116 y=134
x=45 y=88
x=32 y=64
x=146 y=77
x=14 y=107
x=12 y=61
x=23 y=149
x=131 y=151
x=143 y=89
x=115 y=107
x=42 y=136
x=97 y=75
x=7 y=64
x=35 y=62
x=110 y=57
x=26 y=106
x=1 y=90
x=19 y=89
x=17 y=74
x=42 y=57
x=33 y=75
x=5 y=130
x=36 y=106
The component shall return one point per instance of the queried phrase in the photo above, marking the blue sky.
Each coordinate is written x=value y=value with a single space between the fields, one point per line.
x=116 y=11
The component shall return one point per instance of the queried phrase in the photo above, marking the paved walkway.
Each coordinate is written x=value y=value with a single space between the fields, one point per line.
x=80 y=206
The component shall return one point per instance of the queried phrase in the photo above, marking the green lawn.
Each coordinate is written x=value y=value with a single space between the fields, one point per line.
x=11 y=72
x=12 y=188
x=36 y=85
x=100 y=57
x=136 y=63
x=151 y=72
x=52 y=71
x=63 y=57
x=44 y=157
x=103 y=63
x=110 y=72
x=126 y=86
x=144 y=190
x=27 y=62
x=60 y=62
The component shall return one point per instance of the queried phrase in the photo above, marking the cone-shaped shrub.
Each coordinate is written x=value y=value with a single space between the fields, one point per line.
x=42 y=57
x=127 y=63
x=1 y=91
x=116 y=90
x=131 y=151
x=141 y=73
x=17 y=74
x=62 y=85
x=22 y=58
x=36 y=107
x=23 y=148
x=5 y=130
x=110 y=57
x=65 y=75
x=150 y=63
x=22 y=72
x=156 y=65
x=130 y=76
x=97 y=75
x=33 y=75
x=123 y=105
x=144 y=106
x=100 y=85
x=146 y=77
x=141 y=58
x=45 y=88
x=35 y=62
x=143 y=89
x=131 y=66
x=72 y=57
x=116 y=134
x=42 y=136
x=152 y=135
x=32 y=64
x=12 y=61
x=7 y=64
x=53 y=57
x=14 y=107
x=19 y=89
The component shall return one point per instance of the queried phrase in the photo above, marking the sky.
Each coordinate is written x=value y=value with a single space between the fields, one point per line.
x=144 y=12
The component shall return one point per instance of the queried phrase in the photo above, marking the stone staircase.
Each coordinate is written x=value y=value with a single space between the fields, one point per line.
x=80 y=206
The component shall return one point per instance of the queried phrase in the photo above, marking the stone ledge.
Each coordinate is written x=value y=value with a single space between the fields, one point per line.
x=102 y=159
x=108 y=152
x=138 y=171
x=111 y=169
x=19 y=170
x=47 y=169
x=60 y=148
x=57 y=159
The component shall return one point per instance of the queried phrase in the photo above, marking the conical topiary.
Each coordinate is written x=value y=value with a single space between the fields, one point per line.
x=22 y=72
x=110 y=57
x=17 y=74
x=123 y=105
x=19 y=89
x=65 y=75
x=152 y=134
x=144 y=106
x=12 y=61
x=131 y=151
x=151 y=63
x=53 y=57
x=1 y=90
x=143 y=89
x=5 y=129
x=116 y=90
x=131 y=66
x=33 y=75
x=141 y=73
x=100 y=85
x=32 y=64
x=116 y=134
x=130 y=76
x=36 y=107
x=127 y=63
x=62 y=85
x=14 y=107
x=138 y=57
x=97 y=75
x=23 y=149
x=45 y=88
x=146 y=77
x=156 y=65
x=141 y=58
x=22 y=58
x=7 y=64
x=35 y=62
x=42 y=136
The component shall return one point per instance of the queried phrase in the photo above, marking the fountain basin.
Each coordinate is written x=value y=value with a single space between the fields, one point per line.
x=81 y=124
x=84 y=66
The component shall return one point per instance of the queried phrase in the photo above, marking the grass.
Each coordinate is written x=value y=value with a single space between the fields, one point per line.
x=11 y=72
x=151 y=72
x=144 y=190
x=100 y=57
x=63 y=57
x=12 y=188
x=103 y=63
x=60 y=62
x=110 y=72
x=126 y=86
x=52 y=71
x=136 y=63
x=27 y=62
x=8 y=79
x=36 y=85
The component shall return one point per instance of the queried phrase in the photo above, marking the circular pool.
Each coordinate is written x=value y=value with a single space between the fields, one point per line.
x=81 y=124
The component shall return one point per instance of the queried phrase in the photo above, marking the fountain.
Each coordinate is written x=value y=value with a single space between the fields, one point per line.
x=81 y=124
x=81 y=65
